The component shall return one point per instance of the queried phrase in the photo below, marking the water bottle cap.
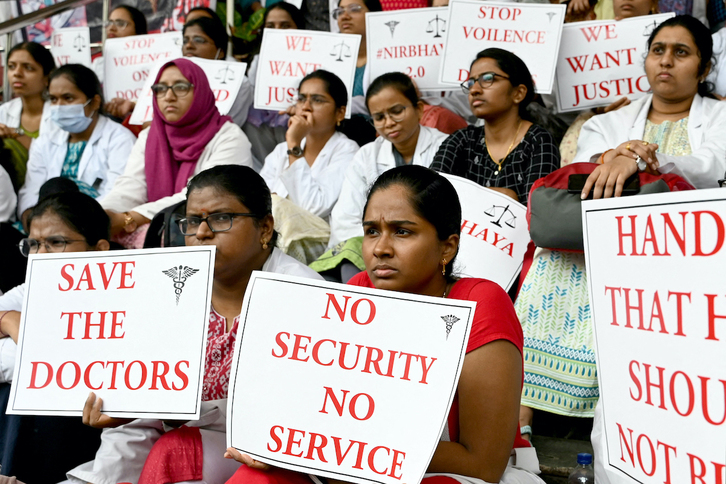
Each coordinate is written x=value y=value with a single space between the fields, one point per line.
x=584 y=459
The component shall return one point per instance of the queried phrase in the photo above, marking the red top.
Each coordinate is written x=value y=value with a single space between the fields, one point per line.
x=218 y=361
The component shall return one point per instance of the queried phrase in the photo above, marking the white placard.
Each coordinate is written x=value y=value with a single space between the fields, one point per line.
x=225 y=79
x=494 y=233
x=71 y=46
x=288 y=385
x=128 y=60
x=130 y=326
x=286 y=56
x=655 y=271
x=532 y=31
x=409 y=41
x=602 y=61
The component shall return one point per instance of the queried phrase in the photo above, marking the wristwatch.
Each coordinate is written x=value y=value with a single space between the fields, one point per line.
x=130 y=224
x=295 y=151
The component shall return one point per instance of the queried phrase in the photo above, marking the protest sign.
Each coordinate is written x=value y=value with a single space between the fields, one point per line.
x=225 y=79
x=128 y=60
x=655 y=270
x=130 y=326
x=494 y=233
x=71 y=46
x=319 y=409
x=602 y=61
x=409 y=41
x=529 y=30
x=286 y=56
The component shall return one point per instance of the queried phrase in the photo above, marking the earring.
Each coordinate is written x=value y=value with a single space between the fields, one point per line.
x=338 y=124
x=443 y=267
x=264 y=245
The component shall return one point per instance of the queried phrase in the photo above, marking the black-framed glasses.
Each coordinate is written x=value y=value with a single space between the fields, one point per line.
x=53 y=244
x=195 y=39
x=217 y=222
x=354 y=8
x=120 y=24
x=485 y=80
x=180 y=89
x=396 y=113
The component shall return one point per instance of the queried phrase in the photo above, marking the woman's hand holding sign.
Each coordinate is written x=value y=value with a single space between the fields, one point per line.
x=93 y=417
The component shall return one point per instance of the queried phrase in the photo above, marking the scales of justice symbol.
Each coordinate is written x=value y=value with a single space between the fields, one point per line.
x=79 y=43
x=341 y=50
x=511 y=220
x=225 y=74
x=180 y=275
x=436 y=26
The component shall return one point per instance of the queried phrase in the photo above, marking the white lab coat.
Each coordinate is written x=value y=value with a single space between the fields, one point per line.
x=229 y=146
x=10 y=301
x=11 y=111
x=706 y=133
x=718 y=70
x=8 y=199
x=314 y=188
x=102 y=161
x=367 y=165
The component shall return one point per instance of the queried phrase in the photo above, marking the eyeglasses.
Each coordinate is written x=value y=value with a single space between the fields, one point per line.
x=396 y=113
x=120 y=24
x=217 y=222
x=485 y=80
x=54 y=243
x=350 y=9
x=722 y=183
x=180 y=89
x=315 y=99
x=196 y=40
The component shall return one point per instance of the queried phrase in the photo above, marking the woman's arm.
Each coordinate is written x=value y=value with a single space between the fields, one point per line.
x=36 y=175
x=129 y=189
x=347 y=214
x=489 y=392
x=450 y=149
x=544 y=159
x=118 y=150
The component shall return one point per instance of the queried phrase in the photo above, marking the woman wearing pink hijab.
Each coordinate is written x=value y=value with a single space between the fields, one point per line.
x=186 y=136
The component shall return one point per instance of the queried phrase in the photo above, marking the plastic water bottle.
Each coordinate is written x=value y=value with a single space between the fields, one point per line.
x=583 y=473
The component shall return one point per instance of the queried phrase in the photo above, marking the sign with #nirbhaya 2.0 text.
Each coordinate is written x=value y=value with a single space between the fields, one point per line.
x=343 y=381
x=130 y=326
x=655 y=268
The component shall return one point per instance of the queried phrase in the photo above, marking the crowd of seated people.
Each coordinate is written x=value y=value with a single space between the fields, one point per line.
x=309 y=193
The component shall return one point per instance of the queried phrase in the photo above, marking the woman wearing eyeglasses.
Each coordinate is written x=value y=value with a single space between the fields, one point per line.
x=186 y=136
x=309 y=167
x=229 y=207
x=509 y=153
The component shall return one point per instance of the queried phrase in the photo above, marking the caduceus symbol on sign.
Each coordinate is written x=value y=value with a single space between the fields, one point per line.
x=449 y=319
x=180 y=275
x=341 y=50
x=392 y=26
x=79 y=43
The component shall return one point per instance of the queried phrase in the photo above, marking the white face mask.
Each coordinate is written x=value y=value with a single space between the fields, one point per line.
x=71 y=117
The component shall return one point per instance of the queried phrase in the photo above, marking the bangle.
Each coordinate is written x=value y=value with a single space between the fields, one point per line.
x=601 y=160
x=3 y=334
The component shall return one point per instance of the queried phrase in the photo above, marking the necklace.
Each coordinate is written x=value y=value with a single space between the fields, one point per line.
x=509 y=150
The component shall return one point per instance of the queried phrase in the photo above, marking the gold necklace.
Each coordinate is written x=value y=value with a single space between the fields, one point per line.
x=509 y=150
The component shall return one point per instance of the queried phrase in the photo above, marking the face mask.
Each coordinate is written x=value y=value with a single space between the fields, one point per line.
x=71 y=117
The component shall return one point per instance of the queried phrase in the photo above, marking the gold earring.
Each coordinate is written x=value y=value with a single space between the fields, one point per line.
x=443 y=267
x=264 y=245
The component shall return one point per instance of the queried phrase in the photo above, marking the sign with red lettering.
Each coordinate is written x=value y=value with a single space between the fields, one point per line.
x=494 y=233
x=128 y=61
x=225 y=79
x=658 y=298
x=602 y=61
x=130 y=326
x=286 y=56
x=529 y=30
x=342 y=381
x=409 y=41
x=71 y=46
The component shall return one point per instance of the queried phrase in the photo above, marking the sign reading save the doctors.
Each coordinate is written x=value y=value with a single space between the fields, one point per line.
x=655 y=268
x=602 y=61
x=494 y=233
x=130 y=326
x=342 y=381
x=529 y=30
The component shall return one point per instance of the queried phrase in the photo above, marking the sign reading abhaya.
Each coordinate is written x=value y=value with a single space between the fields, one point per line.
x=655 y=269
x=71 y=46
x=130 y=326
x=602 y=61
x=494 y=233
x=529 y=30
x=343 y=381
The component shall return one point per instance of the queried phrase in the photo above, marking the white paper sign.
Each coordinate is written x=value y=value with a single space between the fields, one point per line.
x=409 y=41
x=296 y=382
x=130 y=326
x=655 y=270
x=494 y=233
x=286 y=56
x=602 y=61
x=225 y=79
x=530 y=30
x=71 y=46
x=128 y=60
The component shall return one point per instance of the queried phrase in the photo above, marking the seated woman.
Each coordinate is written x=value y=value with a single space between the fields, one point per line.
x=412 y=223
x=27 y=116
x=508 y=153
x=89 y=148
x=64 y=222
x=186 y=136
x=229 y=207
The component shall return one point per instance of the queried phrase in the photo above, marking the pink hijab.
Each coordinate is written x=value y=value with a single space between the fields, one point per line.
x=173 y=149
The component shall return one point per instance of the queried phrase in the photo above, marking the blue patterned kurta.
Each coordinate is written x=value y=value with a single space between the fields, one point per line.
x=70 y=167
